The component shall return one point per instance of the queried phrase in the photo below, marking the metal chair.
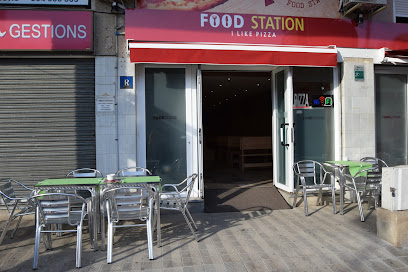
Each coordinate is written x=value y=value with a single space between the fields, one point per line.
x=311 y=176
x=128 y=204
x=56 y=208
x=364 y=184
x=133 y=171
x=374 y=179
x=176 y=197
x=84 y=173
x=17 y=206
x=379 y=162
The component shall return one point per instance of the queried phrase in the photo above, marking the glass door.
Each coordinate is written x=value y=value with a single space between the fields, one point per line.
x=282 y=128
x=167 y=138
x=303 y=119
x=391 y=117
x=200 y=132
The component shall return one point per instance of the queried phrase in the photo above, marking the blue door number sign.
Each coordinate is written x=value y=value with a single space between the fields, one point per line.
x=126 y=82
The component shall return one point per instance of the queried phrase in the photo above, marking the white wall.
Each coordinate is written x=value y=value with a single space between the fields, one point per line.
x=115 y=130
x=358 y=110
x=105 y=121
x=127 y=116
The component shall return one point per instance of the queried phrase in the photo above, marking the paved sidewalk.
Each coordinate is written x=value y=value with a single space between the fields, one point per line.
x=278 y=240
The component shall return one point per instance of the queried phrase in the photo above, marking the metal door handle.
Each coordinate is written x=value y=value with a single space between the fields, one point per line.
x=282 y=135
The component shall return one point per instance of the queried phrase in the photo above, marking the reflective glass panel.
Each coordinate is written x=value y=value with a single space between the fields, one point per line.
x=280 y=87
x=166 y=123
x=391 y=118
x=313 y=113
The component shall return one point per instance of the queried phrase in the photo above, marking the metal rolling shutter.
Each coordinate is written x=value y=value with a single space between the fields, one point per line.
x=47 y=117
x=401 y=8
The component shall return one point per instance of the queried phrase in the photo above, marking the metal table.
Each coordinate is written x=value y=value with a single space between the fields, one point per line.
x=353 y=167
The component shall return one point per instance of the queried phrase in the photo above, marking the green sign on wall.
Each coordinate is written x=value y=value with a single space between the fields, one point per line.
x=358 y=72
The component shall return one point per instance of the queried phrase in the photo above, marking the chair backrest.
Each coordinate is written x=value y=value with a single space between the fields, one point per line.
x=7 y=193
x=127 y=203
x=379 y=162
x=60 y=208
x=9 y=196
x=312 y=171
x=133 y=171
x=374 y=174
x=189 y=187
x=84 y=173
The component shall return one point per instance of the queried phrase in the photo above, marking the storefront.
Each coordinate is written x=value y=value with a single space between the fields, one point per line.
x=47 y=93
x=192 y=105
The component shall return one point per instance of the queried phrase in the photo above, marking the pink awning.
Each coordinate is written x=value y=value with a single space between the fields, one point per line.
x=232 y=54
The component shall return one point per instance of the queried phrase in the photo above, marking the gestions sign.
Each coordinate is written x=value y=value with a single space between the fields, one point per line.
x=45 y=30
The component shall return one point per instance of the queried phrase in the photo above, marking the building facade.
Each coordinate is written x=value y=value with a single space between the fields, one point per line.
x=238 y=87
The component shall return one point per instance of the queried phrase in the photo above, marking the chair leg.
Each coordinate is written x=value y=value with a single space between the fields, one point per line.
x=47 y=238
x=78 y=246
x=3 y=234
x=295 y=197
x=16 y=227
x=360 y=207
x=36 y=246
x=370 y=195
x=305 y=201
x=377 y=199
x=191 y=219
x=109 y=243
x=319 y=201
x=91 y=222
x=150 y=230
x=334 y=200
x=189 y=224
x=103 y=229
x=149 y=238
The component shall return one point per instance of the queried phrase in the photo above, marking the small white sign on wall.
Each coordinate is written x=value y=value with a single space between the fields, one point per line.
x=104 y=104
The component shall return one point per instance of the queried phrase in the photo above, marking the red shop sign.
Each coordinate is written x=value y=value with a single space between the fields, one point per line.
x=45 y=30
x=211 y=27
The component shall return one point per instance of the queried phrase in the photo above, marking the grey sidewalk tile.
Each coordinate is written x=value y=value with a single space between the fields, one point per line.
x=395 y=263
x=235 y=267
x=403 y=259
x=190 y=261
x=338 y=267
x=230 y=258
x=257 y=266
x=314 y=263
x=195 y=268
x=214 y=259
x=378 y=265
x=215 y=268
x=275 y=264
x=398 y=252
x=295 y=264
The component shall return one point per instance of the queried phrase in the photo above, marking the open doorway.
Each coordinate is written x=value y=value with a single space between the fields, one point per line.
x=237 y=131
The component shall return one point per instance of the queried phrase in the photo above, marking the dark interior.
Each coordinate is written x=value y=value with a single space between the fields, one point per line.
x=236 y=106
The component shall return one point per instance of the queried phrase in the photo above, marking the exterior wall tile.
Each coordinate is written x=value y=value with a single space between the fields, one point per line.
x=358 y=108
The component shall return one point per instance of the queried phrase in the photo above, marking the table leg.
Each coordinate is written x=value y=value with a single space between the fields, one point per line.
x=95 y=212
x=341 y=172
x=158 y=226
x=102 y=219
